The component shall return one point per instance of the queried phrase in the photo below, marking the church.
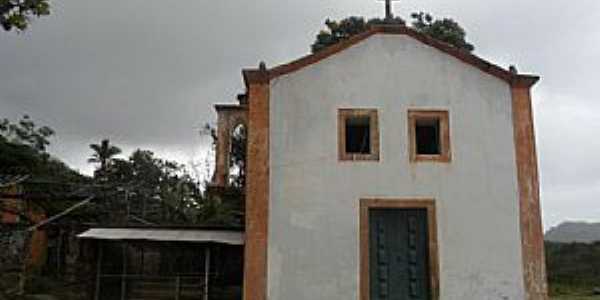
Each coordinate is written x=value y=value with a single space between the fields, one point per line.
x=388 y=166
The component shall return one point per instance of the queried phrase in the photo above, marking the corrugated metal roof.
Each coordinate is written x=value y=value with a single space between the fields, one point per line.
x=165 y=235
x=9 y=180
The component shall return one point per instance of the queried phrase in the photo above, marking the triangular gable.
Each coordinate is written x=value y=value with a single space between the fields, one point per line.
x=263 y=75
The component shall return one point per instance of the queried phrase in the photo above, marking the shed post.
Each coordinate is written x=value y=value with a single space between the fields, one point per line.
x=177 y=287
x=206 y=270
x=58 y=252
x=124 y=272
x=98 y=271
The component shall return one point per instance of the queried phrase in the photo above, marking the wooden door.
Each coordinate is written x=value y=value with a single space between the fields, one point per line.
x=398 y=254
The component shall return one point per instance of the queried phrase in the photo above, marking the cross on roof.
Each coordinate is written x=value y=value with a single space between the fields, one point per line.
x=388 y=9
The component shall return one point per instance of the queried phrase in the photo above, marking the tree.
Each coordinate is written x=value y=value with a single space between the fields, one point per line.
x=16 y=14
x=103 y=155
x=340 y=30
x=213 y=212
x=445 y=30
x=573 y=264
x=23 y=151
x=160 y=191
x=26 y=132
x=18 y=158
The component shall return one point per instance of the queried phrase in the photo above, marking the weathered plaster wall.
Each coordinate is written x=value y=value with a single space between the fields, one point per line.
x=314 y=198
x=12 y=241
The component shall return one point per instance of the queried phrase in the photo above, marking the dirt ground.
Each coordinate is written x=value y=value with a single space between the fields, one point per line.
x=40 y=288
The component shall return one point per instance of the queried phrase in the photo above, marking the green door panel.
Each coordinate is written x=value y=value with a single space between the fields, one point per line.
x=398 y=250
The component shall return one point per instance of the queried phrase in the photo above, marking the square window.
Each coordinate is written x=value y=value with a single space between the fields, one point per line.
x=358 y=131
x=358 y=134
x=429 y=133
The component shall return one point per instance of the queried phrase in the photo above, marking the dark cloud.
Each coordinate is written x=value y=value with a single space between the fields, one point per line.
x=145 y=73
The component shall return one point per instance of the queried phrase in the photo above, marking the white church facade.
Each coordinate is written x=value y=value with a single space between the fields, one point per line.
x=389 y=166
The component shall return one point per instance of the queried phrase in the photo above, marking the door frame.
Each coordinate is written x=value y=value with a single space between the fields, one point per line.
x=398 y=203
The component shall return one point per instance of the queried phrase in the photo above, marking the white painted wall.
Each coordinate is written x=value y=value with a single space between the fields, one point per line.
x=313 y=219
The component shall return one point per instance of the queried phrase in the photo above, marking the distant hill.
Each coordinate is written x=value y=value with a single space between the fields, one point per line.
x=574 y=232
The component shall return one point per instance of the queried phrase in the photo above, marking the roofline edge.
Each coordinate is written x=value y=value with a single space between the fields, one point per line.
x=263 y=76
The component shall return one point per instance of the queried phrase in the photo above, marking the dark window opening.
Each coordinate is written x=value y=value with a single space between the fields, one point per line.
x=358 y=135
x=427 y=133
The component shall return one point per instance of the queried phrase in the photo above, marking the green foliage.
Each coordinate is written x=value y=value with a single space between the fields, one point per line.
x=144 y=169
x=560 y=291
x=23 y=151
x=159 y=190
x=26 y=132
x=573 y=264
x=16 y=14
x=214 y=212
x=18 y=158
x=103 y=155
x=153 y=189
x=340 y=30
x=445 y=30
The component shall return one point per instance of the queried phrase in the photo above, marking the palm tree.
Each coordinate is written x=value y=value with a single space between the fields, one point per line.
x=103 y=154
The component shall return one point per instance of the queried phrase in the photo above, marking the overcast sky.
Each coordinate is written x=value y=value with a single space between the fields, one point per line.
x=145 y=73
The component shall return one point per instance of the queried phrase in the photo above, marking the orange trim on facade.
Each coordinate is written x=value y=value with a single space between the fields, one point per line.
x=257 y=193
x=445 y=149
x=258 y=76
x=532 y=235
x=38 y=242
x=429 y=205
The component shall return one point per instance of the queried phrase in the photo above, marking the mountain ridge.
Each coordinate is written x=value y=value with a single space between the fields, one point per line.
x=574 y=232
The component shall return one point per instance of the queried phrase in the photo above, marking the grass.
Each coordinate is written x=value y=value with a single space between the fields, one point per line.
x=569 y=292
x=558 y=291
x=574 y=297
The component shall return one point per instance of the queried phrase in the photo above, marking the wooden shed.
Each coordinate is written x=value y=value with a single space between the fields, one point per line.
x=167 y=263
